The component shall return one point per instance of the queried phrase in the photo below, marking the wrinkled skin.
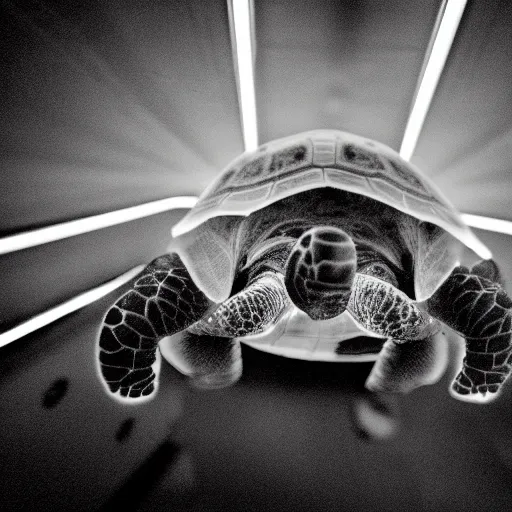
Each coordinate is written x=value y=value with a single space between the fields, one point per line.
x=315 y=251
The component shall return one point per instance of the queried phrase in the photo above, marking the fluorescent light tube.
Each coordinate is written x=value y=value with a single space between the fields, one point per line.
x=488 y=223
x=242 y=39
x=78 y=302
x=436 y=60
x=87 y=224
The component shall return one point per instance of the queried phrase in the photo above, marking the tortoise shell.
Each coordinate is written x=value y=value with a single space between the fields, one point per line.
x=327 y=158
x=321 y=158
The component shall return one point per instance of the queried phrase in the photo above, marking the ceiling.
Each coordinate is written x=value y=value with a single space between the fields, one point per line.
x=111 y=104
x=345 y=65
x=466 y=142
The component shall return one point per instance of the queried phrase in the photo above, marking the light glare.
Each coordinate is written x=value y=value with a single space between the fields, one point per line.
x=245 y=71
x=488 y=223
x=87 y=224
x=436 y=61
x=76 y=303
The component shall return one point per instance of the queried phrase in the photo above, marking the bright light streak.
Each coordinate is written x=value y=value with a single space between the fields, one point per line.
x=74 y=304
x=243 y=52
x=488 y=223
x=436 y=61
x=87 y=224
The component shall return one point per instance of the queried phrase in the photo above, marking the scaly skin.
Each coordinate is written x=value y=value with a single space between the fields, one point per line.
x=163 y=300
x=480 y=311
x=412 y=356
x=250 y=311
x=320 y=272
x=385 y=310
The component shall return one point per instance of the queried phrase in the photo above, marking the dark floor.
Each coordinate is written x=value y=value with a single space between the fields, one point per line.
x=286 y=437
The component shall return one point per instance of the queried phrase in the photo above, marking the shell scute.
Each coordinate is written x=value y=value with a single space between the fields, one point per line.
x=254 y=170
x=346 y=179
x=404 y=175
x=305 y=180
x=324 y=151
x=291 y=158
x=270 y=166
x=358 y=156
x=387 y=190
x=220 y=185
x=254 y=194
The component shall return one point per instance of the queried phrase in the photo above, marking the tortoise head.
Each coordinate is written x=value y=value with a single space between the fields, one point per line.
x=320 y=271
x=319 y=265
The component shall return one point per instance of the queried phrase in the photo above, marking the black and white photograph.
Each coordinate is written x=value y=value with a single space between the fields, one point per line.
x=256 y=255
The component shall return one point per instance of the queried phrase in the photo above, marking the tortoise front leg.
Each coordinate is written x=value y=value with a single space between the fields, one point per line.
x=474 y=304
x=250 y=311
x=413 y=355
x=161 y=301
x=209 y=351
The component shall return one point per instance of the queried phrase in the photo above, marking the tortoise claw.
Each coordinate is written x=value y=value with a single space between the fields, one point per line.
x=485 y=393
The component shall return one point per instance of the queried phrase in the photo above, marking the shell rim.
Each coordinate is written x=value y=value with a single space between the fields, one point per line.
x=472 y=243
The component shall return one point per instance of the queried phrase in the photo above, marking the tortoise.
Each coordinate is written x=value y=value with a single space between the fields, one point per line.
x=324 y=246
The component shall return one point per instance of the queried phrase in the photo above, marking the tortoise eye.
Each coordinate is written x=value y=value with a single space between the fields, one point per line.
x=243 y=261
x=379 y=270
